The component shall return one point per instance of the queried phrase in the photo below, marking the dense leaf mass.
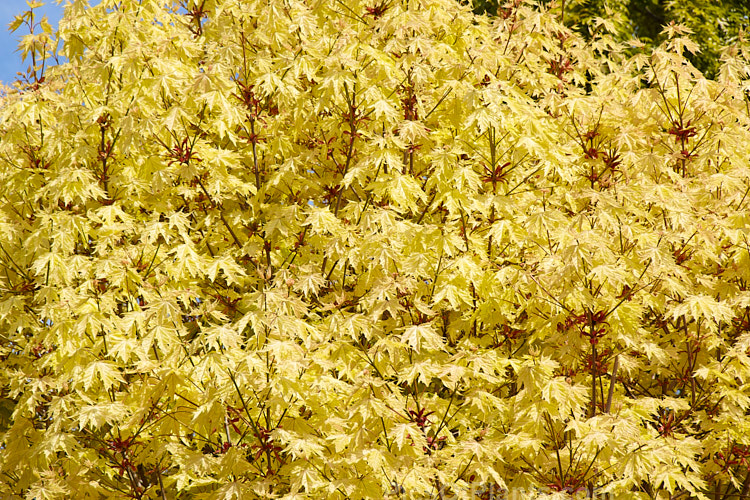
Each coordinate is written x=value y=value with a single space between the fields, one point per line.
x=356 y=249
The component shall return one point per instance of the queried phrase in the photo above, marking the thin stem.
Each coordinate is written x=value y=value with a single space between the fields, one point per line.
x=612 y=381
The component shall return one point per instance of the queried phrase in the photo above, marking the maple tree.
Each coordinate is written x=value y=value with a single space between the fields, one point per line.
x=355 y=249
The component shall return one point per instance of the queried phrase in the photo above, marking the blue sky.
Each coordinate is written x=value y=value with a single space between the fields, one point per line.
x=10 y=59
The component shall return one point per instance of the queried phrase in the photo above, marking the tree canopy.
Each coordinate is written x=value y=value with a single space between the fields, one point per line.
x=355 y=249
x=713 y=25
